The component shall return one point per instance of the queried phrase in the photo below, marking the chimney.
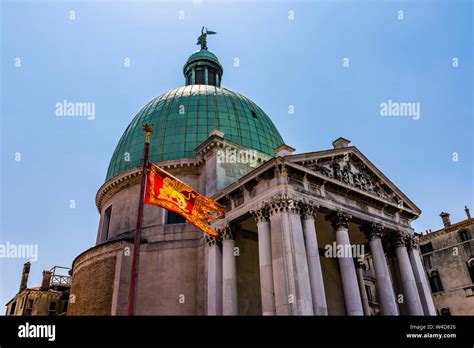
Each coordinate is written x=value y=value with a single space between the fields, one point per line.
x=468 y=213
x=46 y=280
x=446 y=219
x=24 y=276
x=340 y=143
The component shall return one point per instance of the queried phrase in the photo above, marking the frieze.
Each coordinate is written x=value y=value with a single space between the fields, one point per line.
x=348 y=171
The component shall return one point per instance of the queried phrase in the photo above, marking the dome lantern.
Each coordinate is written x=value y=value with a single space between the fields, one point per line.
x=203 y=67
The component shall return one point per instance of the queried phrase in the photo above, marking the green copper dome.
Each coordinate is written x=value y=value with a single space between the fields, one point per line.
x=183 y=118
x=204 y=108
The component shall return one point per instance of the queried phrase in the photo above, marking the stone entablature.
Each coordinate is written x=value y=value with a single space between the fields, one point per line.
x=275 y=178
x=312 y=184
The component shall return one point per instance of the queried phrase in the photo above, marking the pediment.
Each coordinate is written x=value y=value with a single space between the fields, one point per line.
x=349 y=167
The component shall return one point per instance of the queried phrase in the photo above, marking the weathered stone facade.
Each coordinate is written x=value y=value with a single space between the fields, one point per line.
x=448 y=258
x=49 y=299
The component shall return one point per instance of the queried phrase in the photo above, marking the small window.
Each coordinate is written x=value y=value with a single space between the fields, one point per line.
x=254 y=114
x=470 y=267
x=211 y=78
x=52 y=308
x=12 y=308
x=106 y=223
x=29 y=307
x=435 y=282
x=200 y=77
x=174 y=218
x=370 y=296
x=464 y=234
x=426 y=248
x=445 y=312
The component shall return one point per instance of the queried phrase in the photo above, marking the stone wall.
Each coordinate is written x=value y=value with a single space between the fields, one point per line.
x=449 y=257
x=41 y=302
x=167 y=283
x=93 y=280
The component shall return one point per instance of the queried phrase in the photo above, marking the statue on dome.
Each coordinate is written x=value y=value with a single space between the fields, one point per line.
x=202 y=39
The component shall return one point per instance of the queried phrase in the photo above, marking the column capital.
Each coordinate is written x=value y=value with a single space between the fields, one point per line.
x=283 y=203
x=413 y=242
x=227 y=232
x=338 y=219
x=398 y=239
x=212 y=241
x=372 y=230
x=261 y=214
x=308 y=209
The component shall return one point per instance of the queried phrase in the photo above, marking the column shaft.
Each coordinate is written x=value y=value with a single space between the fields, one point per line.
x=388 y=303
x=383 y=282
x=290 y=265
x=410 y=290
x=421 y=281
x=214 y=278
x=266 y=270
x=229 y=288
x=348 y=275
x=318 y=293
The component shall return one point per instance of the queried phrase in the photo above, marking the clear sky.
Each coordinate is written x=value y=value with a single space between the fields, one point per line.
x=285 y=58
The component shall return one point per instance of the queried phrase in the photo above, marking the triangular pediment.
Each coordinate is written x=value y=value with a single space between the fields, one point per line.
x=350 y=168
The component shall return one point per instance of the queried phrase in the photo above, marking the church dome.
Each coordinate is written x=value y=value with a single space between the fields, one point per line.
x=183 y=118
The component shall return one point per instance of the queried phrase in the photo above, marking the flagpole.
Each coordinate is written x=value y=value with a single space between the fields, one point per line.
x=148 y=129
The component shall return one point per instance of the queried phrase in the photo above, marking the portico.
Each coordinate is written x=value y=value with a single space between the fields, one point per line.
x=296 y=213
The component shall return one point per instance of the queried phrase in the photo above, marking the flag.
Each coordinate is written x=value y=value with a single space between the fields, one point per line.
x=166 y=191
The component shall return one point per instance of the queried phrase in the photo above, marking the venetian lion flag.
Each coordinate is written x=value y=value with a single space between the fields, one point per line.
x=166 y=191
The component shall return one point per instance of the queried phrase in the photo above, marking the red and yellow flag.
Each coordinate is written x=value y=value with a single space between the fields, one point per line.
x=166 y=191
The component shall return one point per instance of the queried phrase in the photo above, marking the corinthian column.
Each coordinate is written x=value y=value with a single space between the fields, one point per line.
x=410 y=290
x=318 y=292
x=290 y=265
x=214 y=277
x=229 y=275
x=420 y=276
x=388 y=303
x=267 y=291
x=350 y=286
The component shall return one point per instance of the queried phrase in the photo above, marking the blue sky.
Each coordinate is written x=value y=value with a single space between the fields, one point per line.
x=283 y=62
